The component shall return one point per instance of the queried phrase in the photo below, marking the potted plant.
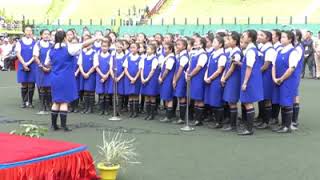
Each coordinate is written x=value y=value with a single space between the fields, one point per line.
x=30 y=130
x=116 y=151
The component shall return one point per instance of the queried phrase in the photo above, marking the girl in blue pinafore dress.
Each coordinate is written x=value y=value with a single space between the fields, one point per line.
x=231 y=80
x=276 y=37
x=63 y=85
x=88 y=77
x=268 y=57
x=284 y=71
x=102 y=61
x=251 y=80
x=213 y=90
x=26 y=73
x=165 y=80
x=149 y=78
x=43 y=74
x=132 y=82
x=119 y=58
x=195 y=74
x=179 y=80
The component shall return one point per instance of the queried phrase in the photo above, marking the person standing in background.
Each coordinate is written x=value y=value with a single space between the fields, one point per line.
x=308 y=54
x=317 y=55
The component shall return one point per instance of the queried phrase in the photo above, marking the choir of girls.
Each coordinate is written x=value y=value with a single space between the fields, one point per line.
x=224 y=71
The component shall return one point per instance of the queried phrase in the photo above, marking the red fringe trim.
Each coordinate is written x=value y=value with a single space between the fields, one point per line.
x=77 y=166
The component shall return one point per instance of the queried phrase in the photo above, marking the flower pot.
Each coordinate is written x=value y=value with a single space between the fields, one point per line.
x=108 y=172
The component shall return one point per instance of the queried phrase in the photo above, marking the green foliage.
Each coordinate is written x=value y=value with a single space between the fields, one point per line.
x=116 y=149
x=30 y=130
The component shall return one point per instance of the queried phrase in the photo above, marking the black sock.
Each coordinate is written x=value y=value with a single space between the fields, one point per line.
x=148 y=108
x=153 y=108
x=102 y=102
x=287 y=113
x=91 y=101
x=142 y=103
x=233 y=116
x=136 y=106
x=295 y=117
x=54 y=117
x=30 y=94
x=275 y=111
x=250 y=113
x=226 y=111
x=131 y=106
x=243 y=114
x=107 y=103
x=24 y=91
x=261 y=109
x=218 y=113
x=267 y=114
x=183 y=107
x=42 y=100
x=169 y=113
x=63 y=118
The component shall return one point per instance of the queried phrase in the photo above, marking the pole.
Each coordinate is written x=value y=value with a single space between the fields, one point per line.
x=187 y=127
x=115 y=93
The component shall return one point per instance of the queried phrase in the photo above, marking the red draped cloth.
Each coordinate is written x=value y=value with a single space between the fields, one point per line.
x=24 y=158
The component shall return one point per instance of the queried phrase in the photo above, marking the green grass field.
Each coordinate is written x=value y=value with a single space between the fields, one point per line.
x=205 y=154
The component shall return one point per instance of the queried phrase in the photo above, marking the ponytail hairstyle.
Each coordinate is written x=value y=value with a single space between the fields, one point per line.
x=278 y=33
x=235 y=36
x=203 y=43
x=252 y=34
x=290 y=36
x=298 y=34
x=170 y=46
x=220 y=39
x=59 y=38
x=268 y=34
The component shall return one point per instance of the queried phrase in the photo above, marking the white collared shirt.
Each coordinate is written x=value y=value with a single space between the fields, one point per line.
x=169 y=61
x=132 y=57
x=237 y=56
x=222 y=59
x=86 y=52
x=276 y=45
x=97 y=55
x=203 y=58
x=37 y=46
x=250 y=54
x=154 y=64
x=294 y=56
x=184 y=60
x=73 y=50
x=25 y=40
x=271 y=54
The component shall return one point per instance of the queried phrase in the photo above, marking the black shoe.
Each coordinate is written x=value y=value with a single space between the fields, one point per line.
x=165 y=120
x=245 y=133
x=180 y=121
x=147 y=117
x=284 y=130
x=55 y=128
x=23 y=105
x=229 y=128
x=274 y=121
x=262 y=126
x=196 y=123
x=66 y=129
x=215 y=126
